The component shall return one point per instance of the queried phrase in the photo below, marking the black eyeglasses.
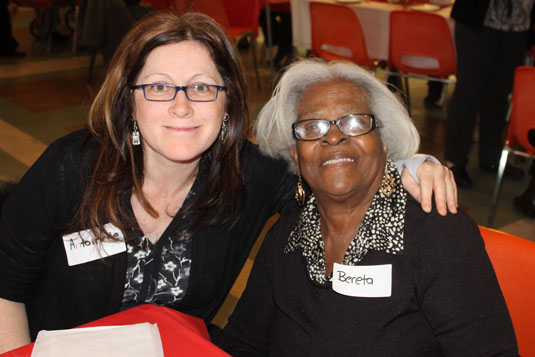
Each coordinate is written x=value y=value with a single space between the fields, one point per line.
x=350 y=125
x=158 y=92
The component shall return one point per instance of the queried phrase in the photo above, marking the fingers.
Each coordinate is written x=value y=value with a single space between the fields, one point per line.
x=410 y=184
x=427 y=183
x=440 y=186
x=451 y=192
x=436 y=180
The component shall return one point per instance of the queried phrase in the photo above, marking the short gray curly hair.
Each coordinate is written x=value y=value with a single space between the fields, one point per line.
x=274 y=124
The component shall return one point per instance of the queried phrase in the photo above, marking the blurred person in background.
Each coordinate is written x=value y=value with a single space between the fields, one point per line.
x=491 y=38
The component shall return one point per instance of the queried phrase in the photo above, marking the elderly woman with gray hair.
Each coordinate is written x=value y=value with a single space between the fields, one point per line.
x=354 y=267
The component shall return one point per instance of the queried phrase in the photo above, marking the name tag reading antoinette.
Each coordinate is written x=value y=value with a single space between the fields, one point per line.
x=82 y=247
x=363 y=280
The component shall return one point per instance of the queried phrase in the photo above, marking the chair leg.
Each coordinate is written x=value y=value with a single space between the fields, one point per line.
x=51 y=17
x=442 y=98
x=252 y=43
x=407 y=94
x=91 y=65
x=497 y=187
x=75 y=30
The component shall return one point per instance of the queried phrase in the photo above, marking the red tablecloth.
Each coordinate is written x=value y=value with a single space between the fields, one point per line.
x=181 y=334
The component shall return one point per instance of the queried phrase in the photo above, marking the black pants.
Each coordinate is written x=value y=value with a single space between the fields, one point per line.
x=7 y=42
x=281 y=28
x=486 y=62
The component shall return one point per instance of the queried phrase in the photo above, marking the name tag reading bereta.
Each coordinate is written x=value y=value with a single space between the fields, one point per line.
x=363 y=280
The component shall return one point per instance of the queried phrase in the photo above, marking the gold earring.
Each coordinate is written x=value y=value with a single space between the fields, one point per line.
x=388 y=185
x=300 y=194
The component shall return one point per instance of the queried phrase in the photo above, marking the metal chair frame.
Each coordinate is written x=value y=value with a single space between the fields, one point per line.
x=522 y=113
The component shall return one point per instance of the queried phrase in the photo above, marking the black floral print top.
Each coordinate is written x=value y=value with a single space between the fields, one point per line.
x=168 y=277
x=381 y=228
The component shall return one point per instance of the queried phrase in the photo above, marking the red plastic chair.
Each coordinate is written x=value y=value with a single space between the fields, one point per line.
x=238 y=17
x=513 y=259
x=159 y=4
x=521 y=123
x=415 y=35
x=243 y=23
x=337 y=34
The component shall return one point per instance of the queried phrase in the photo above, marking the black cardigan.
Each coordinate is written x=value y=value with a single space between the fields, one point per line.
x=445 y=299
x=33 y=264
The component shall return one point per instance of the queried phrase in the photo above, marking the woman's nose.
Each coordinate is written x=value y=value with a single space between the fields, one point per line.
x=334 y=136
x=180 y=106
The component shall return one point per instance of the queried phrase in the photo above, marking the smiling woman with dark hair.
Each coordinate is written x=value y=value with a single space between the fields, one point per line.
x=355 y=268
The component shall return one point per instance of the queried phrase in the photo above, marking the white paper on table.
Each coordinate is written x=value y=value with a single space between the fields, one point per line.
x=139 y=340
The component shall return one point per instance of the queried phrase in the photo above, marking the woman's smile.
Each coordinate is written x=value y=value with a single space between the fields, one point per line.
x=183 y=129
x=337 y=161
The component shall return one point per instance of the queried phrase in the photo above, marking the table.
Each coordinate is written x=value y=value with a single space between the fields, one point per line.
x=181 y=334
x=374 y=17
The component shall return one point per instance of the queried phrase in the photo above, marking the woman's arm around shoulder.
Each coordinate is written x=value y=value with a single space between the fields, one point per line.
x=424 y=177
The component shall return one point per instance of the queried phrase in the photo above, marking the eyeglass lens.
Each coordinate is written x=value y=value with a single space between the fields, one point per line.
x=351 y=125
x=167 y=92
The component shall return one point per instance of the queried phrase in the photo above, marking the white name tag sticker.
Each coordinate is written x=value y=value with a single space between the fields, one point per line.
x=363 y=280
x=82 y=247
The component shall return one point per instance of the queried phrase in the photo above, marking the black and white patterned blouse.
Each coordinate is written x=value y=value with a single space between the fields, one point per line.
x=165 y=264
x=509 y=15
x=381 y=228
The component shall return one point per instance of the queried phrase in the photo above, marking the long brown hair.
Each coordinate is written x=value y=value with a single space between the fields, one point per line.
x=118 y=167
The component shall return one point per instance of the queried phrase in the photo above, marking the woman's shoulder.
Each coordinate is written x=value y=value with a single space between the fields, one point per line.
x=252 y=155
x=414 y=211
x=451 y=230
x=76 y=149
x=75 y=142
x=63 y=159
x=265 y=174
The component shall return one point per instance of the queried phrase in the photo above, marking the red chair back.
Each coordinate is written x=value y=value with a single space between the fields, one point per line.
x=243 y=14
x=160 y=4
x=513 y=259
x=523 y=110
x=213 y=8
x=337 y=34
x=422 y=34
x=40 y=3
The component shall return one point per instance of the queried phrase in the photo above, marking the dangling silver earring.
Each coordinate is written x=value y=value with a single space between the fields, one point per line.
x=135 y=134
x=224 y=127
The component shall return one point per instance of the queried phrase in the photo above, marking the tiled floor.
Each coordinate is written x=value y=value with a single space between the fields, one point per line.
x=45 y=96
